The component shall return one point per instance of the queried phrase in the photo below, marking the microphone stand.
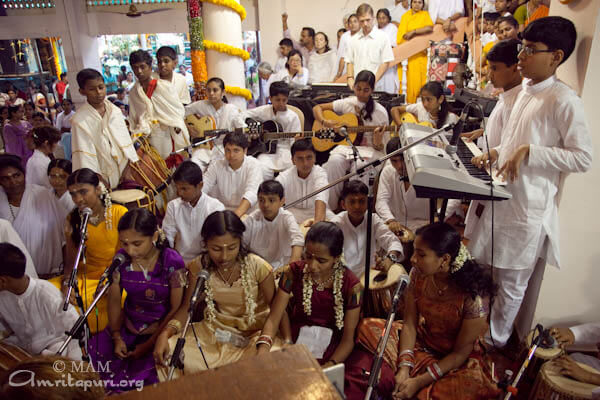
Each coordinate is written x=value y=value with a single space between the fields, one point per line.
x=82 y=320
x=176 y=357
x=383 y=339
x=370 y=166
x=535 y=343
x=83 y=339
x=192 y=146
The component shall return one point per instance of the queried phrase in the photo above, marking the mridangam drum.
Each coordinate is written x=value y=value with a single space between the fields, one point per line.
x=542 y=354
x=381 y=290
x=11 y=355
x=551 y=385
x=134 y=198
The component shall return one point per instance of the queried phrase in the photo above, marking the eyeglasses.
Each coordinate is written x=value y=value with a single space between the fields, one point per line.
x=529 y=51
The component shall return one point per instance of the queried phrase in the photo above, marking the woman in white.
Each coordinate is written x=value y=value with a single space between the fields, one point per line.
x=322 y=65
x=44 y=139
x=227 y=117
x=293 y=73
x=390 y=77
x=58 y=172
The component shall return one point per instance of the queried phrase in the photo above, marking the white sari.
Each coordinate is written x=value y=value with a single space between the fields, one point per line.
x=39 y=222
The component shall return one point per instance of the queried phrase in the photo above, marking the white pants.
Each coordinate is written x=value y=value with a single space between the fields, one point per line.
x=278 y=162
x=161 y=140
x=515 y=302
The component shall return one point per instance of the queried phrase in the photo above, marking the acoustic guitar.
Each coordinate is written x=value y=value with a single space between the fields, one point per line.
x=266 y=134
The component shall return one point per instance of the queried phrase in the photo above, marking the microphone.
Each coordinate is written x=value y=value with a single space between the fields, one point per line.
x=202 y=278
x=460 y=125
x=117 y=261
x=402 y=284
x=85 y=217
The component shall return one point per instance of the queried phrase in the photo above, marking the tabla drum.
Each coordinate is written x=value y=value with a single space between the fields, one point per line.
x=541 y=355
x=11 y=355
x=551 y=385
x=134 y=198
x=381 y=290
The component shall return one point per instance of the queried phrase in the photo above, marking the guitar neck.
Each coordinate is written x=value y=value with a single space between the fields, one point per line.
x=361 y=129
x=287 y=135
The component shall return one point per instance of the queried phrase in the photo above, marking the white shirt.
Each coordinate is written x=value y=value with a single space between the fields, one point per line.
x=280 y=64
x=355 y=240
x=288 y=120
x=305 y=53
x=231 y=186
x=395 y=202
x=551 y=120
x=343 y=48
x=378 y=117
x=423 y=115
x=273 y=240
x=64 y=120
x=444 y=9
x=322 y=67
x=295 y=187
x=284 y=75
x=389 y=80
x=183 y=223
x=36 y=317
x=66 y=201
x=499 y=117
x=181 y=88
x=587 y=334
x=396 y=12
x=228 y=116
x=9 y=235
x=487 y=38
x=37 y=169
x=369 y=51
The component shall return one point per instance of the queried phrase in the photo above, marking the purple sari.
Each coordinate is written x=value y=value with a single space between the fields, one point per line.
x=146 y=305
x=14 y=140
x=323 y=304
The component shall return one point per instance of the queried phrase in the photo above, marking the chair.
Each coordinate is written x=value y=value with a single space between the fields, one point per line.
x=299 y=113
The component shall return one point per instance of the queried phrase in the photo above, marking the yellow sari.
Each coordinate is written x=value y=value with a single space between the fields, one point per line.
x=101 y=246
x=416 y=74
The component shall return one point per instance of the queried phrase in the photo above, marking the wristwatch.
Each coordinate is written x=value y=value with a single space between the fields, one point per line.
x=393 y=257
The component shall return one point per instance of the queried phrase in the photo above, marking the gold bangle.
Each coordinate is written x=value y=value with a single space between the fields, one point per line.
x=175 y=324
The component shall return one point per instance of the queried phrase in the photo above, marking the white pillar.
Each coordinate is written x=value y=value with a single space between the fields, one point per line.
x=223 y=25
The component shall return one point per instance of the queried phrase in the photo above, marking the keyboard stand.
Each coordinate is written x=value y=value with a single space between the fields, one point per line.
x=441 y=216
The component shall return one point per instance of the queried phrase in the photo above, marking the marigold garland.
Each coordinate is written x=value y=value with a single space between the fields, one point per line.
x=199 y=71
x=235 y=6
x=227 y=49
x=238 y=91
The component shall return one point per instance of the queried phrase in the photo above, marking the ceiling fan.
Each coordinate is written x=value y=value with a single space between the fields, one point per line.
x=133 y=12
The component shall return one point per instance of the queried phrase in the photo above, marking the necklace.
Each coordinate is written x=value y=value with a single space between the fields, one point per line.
x=440 y=292
x=94 y=219
x=12 y=211
x=321 y=285
x=227 y=281
x=144 y=271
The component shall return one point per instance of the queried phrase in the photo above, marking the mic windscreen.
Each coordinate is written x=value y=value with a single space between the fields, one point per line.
x=204 y=274
x=86 y=211
x=121 y=258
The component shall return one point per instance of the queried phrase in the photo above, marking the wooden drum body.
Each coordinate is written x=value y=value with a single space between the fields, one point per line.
x=551 y=385
x=381 y=289
x=541 y=356
x=134 y=198
x=11 y=355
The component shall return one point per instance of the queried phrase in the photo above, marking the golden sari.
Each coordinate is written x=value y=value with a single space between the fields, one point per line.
x=230 y=316
x=439 y=321
x=101 y=246
x=416 y=74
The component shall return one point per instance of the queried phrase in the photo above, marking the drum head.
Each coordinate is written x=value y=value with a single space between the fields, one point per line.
x=381 y=280
x=545 y=354
x=127 y=195
x=550 y=373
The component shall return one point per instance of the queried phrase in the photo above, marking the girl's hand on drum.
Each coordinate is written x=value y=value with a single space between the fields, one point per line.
x=569 y=367
x=120 y=348
x=161 y=349
x=564 y=336
x=384 y=264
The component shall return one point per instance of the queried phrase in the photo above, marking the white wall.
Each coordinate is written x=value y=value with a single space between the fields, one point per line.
x=322 y=15
x=572 y=295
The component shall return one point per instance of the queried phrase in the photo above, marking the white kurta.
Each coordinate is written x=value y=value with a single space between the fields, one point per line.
x=9 y=235
x=301 y=78
x=66 y=201
x=230 y=186
x=295 y=187
x=551 y=120
x=368 y=52
x=396 y=12
x=342 y=49
x=64 y=121
x=355 y=241
x=37 y=320
x=39 y=222
x=183 y=223
x=389 y=80
x=341 y=159
x=227 y=117
x=444 y=9
x=273 y=240
x=161 y=117
x=102 y=143
x=289 y=122
x=423 y=115
x=322 y=67
x=587 y=334
x=395 y=202
x=280 y=64
x=181 y=88
x=37 y=169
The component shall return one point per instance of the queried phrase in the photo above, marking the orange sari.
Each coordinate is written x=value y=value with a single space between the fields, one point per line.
x=439 y=323
x=540 y=12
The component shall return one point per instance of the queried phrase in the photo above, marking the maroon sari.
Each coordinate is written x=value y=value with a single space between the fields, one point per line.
x=323 y=304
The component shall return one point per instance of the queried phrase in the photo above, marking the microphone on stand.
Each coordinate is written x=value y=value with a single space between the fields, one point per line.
x=85 y=218
x=202 y=278
x=458 y=129
x=117 y=261
x=402 y=284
